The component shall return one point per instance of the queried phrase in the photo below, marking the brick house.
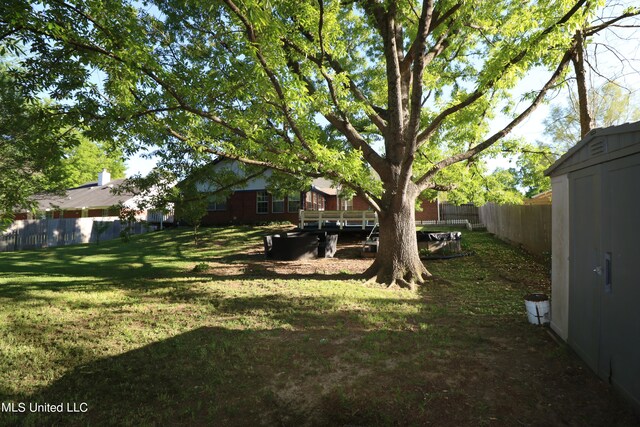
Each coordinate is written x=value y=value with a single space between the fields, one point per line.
x=251 y=202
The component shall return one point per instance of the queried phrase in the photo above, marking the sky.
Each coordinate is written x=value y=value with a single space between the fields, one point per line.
x=604 y=53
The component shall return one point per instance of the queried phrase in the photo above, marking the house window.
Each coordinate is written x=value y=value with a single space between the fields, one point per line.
x=277 y=205
x=217 y=206
x=294 y=202
x=262 y=202
x=345 y=204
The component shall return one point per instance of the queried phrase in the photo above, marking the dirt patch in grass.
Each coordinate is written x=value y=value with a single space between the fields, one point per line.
x=249 y=341
x=347 y=264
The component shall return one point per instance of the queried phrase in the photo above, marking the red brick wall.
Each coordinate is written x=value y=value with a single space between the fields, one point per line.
x=429 y=211
x=72 y=214
x=242 y=209
x=21 y=215
x=360 y=204
x=331 y=203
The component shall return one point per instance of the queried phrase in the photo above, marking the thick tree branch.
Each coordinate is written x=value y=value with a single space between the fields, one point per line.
x=395 y=95
x=425 y=180
x=436 y=20
x=589 y=31
x=358 y=142
x=242 y=159
x=373 y=201
x=275 y=83
x=373 y=112
x=440 y=187
x=419 y=64
x=343 y=125
x=480 y=91
x=586 y=122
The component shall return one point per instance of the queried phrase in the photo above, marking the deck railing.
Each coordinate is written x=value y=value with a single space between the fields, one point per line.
x=341 y=218
x=365 y=219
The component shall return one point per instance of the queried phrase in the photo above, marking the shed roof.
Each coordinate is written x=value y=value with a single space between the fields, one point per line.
x=86 y=196
x=599 y=146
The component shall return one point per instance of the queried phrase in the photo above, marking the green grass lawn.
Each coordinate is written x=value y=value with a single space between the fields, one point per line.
x=159 y=331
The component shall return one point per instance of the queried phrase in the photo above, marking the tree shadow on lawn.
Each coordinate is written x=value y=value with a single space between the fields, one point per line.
x=358 y=376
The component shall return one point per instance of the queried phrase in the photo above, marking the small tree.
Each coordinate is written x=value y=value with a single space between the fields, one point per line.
x=191 y=209
x=101 y=227
x=127 y=217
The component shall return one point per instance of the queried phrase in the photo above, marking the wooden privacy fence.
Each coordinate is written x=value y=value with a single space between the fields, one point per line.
x=526 y=225
x=468 y=212
x=43 y=233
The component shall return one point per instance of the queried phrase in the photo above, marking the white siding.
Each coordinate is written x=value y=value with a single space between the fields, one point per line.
x=258 y=183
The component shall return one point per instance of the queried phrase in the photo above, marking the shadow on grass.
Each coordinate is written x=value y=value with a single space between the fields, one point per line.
x=208 y=376
x=219 y=376
x=460 y=354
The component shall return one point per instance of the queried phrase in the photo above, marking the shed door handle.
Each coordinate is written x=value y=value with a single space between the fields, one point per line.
x=608 y=286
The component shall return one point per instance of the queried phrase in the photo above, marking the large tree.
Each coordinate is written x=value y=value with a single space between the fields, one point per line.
x=310 y=88
x=32 y=146
x=40 y=152
x=83 y=162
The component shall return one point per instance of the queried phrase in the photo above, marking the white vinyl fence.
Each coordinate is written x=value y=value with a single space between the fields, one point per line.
x=43 y=233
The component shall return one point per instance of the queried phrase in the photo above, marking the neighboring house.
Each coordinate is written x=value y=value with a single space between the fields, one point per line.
x=543 y=198
x=595 y=294
x=251 y=202
x=91 y=200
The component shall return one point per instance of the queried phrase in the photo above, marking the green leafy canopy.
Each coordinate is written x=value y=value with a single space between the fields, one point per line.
x=311 y=88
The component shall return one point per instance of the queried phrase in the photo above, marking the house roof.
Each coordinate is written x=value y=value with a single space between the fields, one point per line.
x=321 y=185
x=86 y=196
x=543 y=195
x=543 y=198
x=324 y=186
x=599 y=146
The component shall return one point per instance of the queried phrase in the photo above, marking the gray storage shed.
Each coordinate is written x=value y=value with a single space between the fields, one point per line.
x=595 y=298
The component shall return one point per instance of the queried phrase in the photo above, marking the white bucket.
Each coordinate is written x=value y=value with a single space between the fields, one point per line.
x=538 y=309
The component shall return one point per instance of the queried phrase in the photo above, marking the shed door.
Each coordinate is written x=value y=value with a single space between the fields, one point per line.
x=620 y=342
x=585 y=254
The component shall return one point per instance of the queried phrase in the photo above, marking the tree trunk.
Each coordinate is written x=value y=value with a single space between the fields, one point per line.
x=397 y=262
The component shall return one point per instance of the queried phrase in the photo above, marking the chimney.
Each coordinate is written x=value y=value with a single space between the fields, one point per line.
x=103 y=178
